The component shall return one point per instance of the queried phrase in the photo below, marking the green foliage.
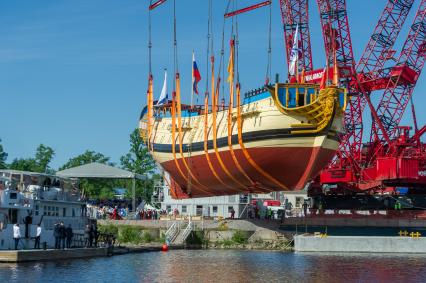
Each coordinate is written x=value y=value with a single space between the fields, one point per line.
x=108 y=229
x=28 y=164
x=138 y=160
x=129 y=234
x=3 y=157
x=44 y=155
x=162 y=238
x=86 y=158
x=106 y=193
x=147 y=237
x=197 y=238
x=239 y=237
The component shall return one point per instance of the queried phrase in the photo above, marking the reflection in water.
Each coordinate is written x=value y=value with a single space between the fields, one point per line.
x=224 y=266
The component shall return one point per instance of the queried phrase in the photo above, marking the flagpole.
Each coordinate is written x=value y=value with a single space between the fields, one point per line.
x=192 y=84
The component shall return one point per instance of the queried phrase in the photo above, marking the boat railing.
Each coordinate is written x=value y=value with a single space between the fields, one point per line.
x=58 y=194
x=193 y=111
x=77 y=223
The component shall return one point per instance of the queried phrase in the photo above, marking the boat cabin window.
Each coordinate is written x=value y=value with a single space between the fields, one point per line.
x=296 y=95
x=13 y=216
x=13 y=195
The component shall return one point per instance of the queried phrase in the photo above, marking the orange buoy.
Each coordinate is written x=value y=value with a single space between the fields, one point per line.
x=164 y=248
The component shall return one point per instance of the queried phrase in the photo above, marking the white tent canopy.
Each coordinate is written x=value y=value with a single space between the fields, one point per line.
x=101 y=171
x=98 y=171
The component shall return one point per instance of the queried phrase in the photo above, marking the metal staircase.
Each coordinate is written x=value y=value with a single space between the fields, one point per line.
x=177 y=236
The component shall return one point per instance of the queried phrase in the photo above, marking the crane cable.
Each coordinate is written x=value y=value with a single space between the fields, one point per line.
x=269 y=63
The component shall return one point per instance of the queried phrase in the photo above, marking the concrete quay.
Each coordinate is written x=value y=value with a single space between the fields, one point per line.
x=359 y=244
x=49 y=254
x=357 y=222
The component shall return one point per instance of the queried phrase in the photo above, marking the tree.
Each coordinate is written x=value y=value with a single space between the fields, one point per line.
x=44 y=154
x=139 y=160
x=24 y=164
x=3 y=157
x=85 y=158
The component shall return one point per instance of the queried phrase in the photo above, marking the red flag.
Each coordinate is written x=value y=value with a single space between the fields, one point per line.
x=196 y=77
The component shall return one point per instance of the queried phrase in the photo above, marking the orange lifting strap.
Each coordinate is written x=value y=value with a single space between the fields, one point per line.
x=173 y=112
x=231 y=104
x=179 y=118
x=245 y=151
x=150 y=104
x=216 y=150
x=206 y=124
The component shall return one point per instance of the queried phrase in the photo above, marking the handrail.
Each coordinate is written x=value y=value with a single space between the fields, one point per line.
x=171 y=232
x=186 y=232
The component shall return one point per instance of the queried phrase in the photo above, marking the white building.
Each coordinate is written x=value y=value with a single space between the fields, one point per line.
x=221 y=206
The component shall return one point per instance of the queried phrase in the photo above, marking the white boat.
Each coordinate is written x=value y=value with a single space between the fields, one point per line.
x=29 y=199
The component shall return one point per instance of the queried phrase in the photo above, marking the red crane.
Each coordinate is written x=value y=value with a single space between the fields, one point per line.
x=295 y=14
x=382 y=164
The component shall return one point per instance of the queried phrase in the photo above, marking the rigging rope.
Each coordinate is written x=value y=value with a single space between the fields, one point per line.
x=269 y=64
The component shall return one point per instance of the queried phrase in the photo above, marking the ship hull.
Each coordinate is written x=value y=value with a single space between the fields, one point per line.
x=270 y=149
x=290 y=161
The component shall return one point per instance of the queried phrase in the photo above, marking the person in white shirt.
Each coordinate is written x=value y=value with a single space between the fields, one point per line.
x=37 y=237
x=16 y=234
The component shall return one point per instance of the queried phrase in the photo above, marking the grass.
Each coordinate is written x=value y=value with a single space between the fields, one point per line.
x=108 y=229
x=239 y=237
x=130 y=234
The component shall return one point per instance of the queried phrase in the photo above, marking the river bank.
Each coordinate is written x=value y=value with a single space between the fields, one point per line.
x=226 y=234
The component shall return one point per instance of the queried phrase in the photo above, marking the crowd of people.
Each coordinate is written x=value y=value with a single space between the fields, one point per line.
x=150 y=214
x=63 y=235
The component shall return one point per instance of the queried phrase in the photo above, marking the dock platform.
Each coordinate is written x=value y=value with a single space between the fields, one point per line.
x=51 y=254
x=360 y=244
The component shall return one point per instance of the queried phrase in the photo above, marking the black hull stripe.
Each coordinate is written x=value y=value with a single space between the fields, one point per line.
x=247 y=137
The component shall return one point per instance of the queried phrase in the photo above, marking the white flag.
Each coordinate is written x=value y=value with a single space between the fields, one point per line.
x=163 y=95
x=294 y=53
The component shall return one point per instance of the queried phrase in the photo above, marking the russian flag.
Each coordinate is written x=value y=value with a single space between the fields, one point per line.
x=196 y=77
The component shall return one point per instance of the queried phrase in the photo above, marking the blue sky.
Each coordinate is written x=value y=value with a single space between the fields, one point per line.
x=73 y=74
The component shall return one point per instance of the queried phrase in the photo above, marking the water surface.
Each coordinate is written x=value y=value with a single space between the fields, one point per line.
x=223 y=266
